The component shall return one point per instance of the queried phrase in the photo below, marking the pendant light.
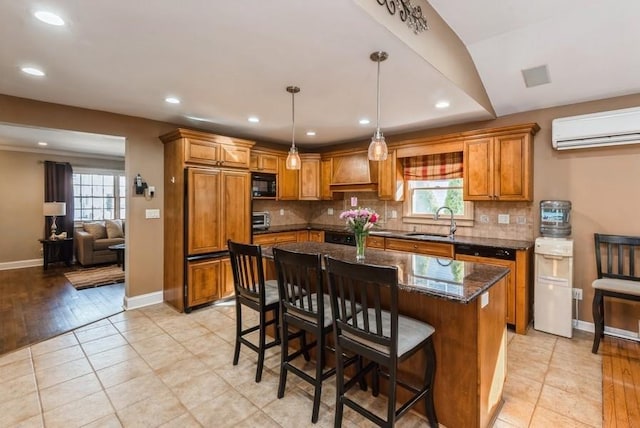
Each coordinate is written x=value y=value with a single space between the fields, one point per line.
x=378 y=148
x=293 y=159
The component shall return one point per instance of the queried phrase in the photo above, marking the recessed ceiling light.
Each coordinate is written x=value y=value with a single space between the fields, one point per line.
x=311 y=133
x=33 y=71
x=49 y=18
x=364 y=121
x=442 y=104
x=253 y=119
x=172 y=100
x=43 y=143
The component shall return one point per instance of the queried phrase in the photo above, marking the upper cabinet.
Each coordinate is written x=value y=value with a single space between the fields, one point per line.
x=498 y=166
x=309 y=186
x=390 y=180
x=288 y=181
x=200 y=148
x=264 y=162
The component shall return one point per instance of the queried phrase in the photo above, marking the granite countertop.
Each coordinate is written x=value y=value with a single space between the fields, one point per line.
x=442 y=278
x=470 y=240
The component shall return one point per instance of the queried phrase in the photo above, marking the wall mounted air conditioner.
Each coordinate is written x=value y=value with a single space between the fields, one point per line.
x=609 y=128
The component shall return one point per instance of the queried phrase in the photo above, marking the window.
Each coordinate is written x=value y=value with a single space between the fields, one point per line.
x=99 y=195
x=434 y=181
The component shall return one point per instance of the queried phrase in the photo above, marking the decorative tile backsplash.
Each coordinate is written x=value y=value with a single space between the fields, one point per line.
x=520 y=226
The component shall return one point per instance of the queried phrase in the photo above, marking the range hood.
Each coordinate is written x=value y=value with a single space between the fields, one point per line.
x=354 y=173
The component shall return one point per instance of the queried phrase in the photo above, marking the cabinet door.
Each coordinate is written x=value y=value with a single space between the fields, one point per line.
x=235 y=205
x=375 y=242
x=302 y=236
x=478 y=169
x=510 y=280
x=326 y=168
x=203 y=277
x=226 y=279
x=201 y=152
x=203 y=211
x=287 y=181
x=234 y=157
x=512 y=160
x=316 y=235
x=309 y=178
x=264 y=162
x=390 y=181
x=435 y=249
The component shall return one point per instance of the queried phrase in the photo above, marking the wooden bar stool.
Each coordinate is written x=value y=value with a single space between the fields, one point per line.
x=306 y=307
x=381 y=336
x=616 y=259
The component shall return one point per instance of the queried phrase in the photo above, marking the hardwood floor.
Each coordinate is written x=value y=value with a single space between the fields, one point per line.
x=620 y=382
x=36 y=305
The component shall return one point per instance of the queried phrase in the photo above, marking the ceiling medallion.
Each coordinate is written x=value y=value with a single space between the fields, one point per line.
x=410 y=14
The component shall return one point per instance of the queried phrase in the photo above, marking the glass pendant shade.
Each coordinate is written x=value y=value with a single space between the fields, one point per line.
x=293 y=159
x=378 y=147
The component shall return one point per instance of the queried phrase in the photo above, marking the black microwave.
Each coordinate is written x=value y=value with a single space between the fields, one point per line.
x=263 y=185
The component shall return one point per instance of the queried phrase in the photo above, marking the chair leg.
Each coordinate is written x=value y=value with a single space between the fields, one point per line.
x=304 y=346
x=339 y=385
x=318 y=381
x=598 y=319
x=236 y=352
x=261 y=344
x=429 y=380
x=375 y=381
x=391 y=404
x=284 y=358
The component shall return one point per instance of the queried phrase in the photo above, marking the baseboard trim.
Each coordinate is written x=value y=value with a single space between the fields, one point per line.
x=611 y=331
x=21 y=264
x=143 y=300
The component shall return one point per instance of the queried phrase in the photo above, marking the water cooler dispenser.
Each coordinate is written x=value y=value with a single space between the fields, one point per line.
x=554 y=270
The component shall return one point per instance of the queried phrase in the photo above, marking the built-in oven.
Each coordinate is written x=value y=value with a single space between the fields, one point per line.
x=263 y=185
x=260 y=220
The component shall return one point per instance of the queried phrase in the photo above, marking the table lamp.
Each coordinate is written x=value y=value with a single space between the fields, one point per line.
x=54 y=209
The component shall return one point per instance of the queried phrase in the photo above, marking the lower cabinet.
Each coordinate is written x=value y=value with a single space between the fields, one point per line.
x=208 y=280
x=435 y=249
x=316 y=235
x=275 y=238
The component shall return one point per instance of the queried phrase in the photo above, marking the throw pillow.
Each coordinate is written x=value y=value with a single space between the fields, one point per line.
x=96 y=229
x=114 y=228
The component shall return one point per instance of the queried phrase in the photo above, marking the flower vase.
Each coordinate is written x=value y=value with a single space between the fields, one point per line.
x=361 y=241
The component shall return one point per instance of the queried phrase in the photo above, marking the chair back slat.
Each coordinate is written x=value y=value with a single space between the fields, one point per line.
x=616 y=256
x=299 y=277
x=364 y=285
x=247 y=268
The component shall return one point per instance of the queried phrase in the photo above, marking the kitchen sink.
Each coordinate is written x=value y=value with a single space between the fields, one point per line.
x=426 y=235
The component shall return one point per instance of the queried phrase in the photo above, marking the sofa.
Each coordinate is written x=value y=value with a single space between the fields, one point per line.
x=93 y=239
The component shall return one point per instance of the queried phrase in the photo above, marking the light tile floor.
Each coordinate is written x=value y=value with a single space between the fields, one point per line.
x=155 y=367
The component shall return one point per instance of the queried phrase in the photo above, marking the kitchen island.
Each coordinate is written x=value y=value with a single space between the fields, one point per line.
x=466 y=303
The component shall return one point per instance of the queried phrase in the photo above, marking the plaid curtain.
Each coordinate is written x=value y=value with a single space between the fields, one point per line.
x=440 y=166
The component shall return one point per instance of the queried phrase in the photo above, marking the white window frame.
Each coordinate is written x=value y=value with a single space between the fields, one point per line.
x=410 y=217
x=117 y=174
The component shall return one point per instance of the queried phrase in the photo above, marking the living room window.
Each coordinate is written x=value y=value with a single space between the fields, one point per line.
x=433 y=181
x=99 y=195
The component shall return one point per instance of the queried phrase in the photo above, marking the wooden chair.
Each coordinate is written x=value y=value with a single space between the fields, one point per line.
x=383 y=337
x=616 y=259
x=306 y=307
x=255 y=293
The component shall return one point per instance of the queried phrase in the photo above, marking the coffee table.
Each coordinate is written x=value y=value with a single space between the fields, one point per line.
x=119 y=249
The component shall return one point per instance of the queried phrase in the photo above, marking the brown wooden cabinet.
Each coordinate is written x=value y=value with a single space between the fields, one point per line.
x=288 y=181
x=316 y=235
x=436 y=249
x=309 y=186
x=375 y=242
x=264 y=162
x=206 y=201
x=326 y=167
x=275 y=238
x=499 y=167
x=302 y=236
x=390 y=179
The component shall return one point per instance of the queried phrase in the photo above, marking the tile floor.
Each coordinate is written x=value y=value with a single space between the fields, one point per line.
x=155 y=367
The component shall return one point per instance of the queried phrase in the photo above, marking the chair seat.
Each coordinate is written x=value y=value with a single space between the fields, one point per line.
x=623 y=286
x=411 y=332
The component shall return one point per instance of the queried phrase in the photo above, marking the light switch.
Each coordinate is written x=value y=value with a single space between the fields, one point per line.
x=394 y=214
x=503 y=218
x=329 y=211
x=281 y=211
x=152 y=213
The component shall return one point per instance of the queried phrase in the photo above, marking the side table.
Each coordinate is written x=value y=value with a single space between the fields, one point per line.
x=119 y=249
x=57 y=250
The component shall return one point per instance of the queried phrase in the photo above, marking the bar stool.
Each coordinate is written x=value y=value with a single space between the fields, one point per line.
x=381 y=336
x=306 y=307
x=253 y=292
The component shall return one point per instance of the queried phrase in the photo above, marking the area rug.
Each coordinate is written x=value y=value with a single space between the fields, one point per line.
x=95 y=277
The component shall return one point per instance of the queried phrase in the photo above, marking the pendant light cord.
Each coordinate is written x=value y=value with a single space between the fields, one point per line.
x=293 y=119
x=378 y=100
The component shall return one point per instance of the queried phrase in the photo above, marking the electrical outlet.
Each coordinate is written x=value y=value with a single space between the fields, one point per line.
x=281 y=211
x=503 y=218
x=577 y=293
x=484 y=218
x=394 y=214
x=329 y=211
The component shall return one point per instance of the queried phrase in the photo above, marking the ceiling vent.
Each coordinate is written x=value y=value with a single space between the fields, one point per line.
x=536 y=76
x=609 y=128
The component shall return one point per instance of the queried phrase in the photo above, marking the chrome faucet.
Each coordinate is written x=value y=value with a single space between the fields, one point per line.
x=452 y=226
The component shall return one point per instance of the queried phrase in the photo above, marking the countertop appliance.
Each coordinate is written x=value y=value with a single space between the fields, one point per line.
x=344 y=238
x=553 y=284
x=260 y=220
x=263 y=185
